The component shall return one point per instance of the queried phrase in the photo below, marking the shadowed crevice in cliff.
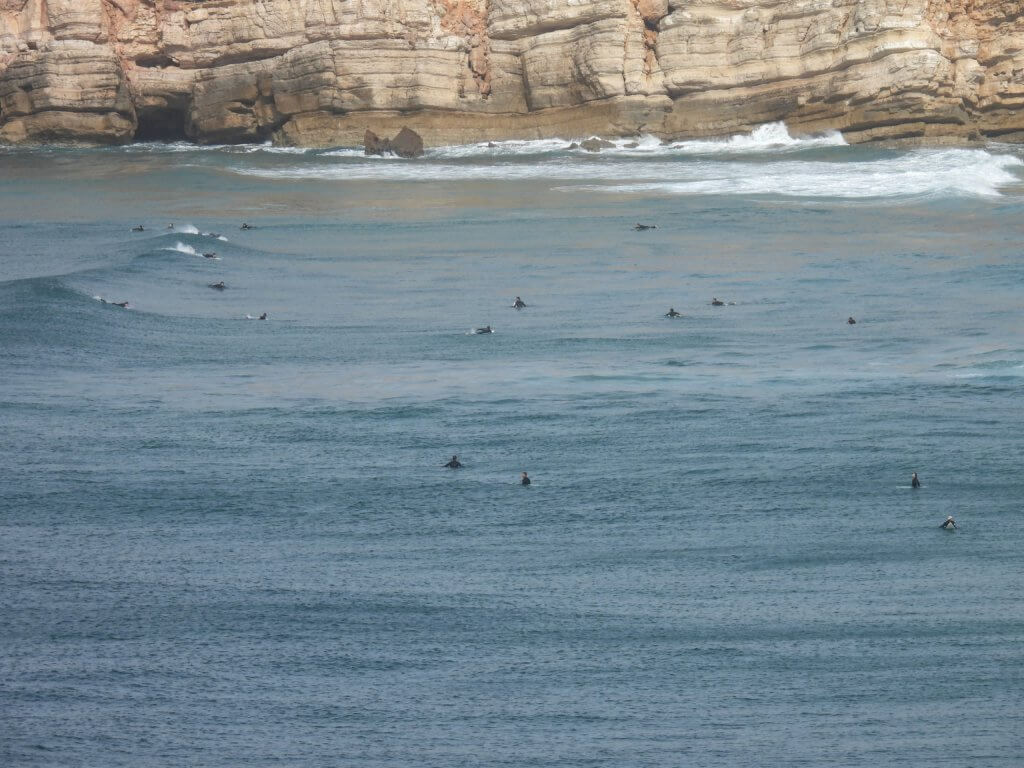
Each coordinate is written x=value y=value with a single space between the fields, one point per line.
x=166 y=123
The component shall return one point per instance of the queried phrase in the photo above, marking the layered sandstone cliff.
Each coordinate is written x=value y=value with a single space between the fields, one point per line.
x=320 y=72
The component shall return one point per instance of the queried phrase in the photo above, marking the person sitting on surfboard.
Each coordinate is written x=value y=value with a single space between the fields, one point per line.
x=525 y=480
x=914 y=482
x=454 y=463
x=672 y=312
x=949 y=523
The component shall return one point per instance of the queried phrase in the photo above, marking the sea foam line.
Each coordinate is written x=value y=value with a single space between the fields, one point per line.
x=913 y=173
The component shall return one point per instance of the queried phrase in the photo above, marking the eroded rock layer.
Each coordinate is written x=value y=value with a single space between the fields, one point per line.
x=322 y=72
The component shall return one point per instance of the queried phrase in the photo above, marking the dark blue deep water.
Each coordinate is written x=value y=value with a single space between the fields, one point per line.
x=230 y=542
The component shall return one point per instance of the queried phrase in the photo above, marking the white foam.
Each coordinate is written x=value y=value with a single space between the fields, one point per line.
x=910 y=174
x=180 y=247
x=773 y=137
x=155 y=147
x=184 y=229
x=764 y=138
x=916 y=174
x=499 y=149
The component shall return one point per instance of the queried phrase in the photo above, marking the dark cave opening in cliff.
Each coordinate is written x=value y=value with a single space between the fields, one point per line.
x=161 y=124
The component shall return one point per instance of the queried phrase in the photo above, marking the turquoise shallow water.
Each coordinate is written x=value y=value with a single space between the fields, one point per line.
x=230 y=542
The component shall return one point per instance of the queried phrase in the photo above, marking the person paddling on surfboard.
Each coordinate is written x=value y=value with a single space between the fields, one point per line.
x=914 y=482
x=672 y=312
x=948 y=524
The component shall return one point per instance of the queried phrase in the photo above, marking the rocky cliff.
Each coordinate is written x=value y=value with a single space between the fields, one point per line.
x=321 y=72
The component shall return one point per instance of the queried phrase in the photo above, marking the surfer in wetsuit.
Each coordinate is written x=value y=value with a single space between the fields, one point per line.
x=672 y=312
x=850 y=321
x=641 y=227
x=263 y=316
x=716 y=302
x=139 y=228
x=525 y=479
x=948 y=523
x=485 y=329
x=518 y=303
x=218 y=286
x=454 y=463
x=914 y=482
x=246 y=226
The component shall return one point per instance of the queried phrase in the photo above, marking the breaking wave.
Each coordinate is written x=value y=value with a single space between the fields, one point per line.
x=181 y=247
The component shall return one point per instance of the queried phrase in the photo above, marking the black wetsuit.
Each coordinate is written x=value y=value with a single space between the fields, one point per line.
x=454 y=464
x=525 y=481
x=914 y=482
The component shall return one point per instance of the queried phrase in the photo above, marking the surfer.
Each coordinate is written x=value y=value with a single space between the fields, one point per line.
x=716 y=302
x=454 y=463
x=139 y=228
x=170 y=226
x=218 y=286
x=246 y=226
x=524 y=480
x=485 y=329
x=914 y=482
x=122 y=304
x=263 y=316
x=518 y=303
x=672 y=313
x=210 y=255
x=948 y=524
x=851 y=321
x=641 y=227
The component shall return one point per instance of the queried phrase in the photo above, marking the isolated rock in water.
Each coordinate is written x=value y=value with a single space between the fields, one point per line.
x=595 y=145
x=407 y=143
x=374 y=144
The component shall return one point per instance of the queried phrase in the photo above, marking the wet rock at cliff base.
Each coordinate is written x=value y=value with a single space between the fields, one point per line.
x=407 y=143
x=574 y=145
x=595 y=145
x=374 y=144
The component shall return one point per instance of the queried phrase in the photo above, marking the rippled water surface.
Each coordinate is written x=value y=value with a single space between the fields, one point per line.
x=226 y=541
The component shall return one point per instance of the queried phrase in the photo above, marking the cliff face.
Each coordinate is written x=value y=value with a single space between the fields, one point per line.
x=320 y=72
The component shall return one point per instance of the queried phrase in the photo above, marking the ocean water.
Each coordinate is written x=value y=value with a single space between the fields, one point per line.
x=230 y=542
